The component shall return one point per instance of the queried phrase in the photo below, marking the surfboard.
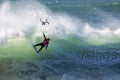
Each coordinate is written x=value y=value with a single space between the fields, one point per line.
x=35 y=50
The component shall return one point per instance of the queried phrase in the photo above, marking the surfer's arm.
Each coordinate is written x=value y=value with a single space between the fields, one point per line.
x=44 y=35
x=46 y=47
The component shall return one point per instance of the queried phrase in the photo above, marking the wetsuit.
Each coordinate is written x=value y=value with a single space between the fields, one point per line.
x=43 y=44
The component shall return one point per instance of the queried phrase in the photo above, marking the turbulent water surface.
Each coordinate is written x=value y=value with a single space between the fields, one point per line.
x=84 y=45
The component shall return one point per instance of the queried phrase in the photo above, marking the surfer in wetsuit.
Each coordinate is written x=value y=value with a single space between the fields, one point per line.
x=43 y=44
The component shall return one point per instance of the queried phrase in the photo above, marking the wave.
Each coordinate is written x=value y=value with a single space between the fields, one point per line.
x=24 y=21
x=78 y=49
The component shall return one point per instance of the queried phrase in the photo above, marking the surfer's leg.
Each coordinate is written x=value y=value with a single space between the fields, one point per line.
x=42 y=45
x=38 y=44
x=40 y=48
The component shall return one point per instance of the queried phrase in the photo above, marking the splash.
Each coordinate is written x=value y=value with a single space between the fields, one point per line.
x=23 y=19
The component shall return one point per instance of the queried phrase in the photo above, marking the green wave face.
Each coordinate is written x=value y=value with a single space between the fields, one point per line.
x=62 y=56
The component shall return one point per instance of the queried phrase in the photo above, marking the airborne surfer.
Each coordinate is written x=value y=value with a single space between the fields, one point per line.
x=43 y=44
x=44 y=22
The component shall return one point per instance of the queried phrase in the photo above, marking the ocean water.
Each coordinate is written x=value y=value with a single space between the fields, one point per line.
x=84 y=45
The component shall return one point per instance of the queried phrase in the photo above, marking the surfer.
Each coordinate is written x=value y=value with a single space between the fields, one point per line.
x=44 y=22
x=43 y=44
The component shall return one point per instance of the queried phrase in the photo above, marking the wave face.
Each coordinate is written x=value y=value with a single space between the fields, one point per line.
x=85 y=39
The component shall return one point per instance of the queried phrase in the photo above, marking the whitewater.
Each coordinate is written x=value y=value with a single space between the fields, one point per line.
x=78 y=50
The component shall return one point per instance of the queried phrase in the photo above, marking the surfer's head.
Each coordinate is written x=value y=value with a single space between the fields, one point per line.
x=48 y=39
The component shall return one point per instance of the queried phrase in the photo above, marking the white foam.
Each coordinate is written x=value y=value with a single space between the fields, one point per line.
x=24 y=18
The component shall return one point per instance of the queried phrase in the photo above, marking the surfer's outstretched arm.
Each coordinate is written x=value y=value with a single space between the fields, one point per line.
x=44 y=35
